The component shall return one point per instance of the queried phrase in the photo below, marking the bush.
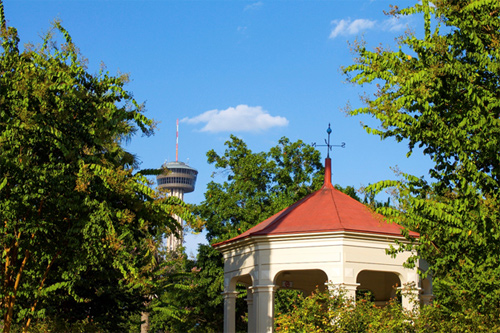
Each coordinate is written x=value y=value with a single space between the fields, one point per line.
x=334 y=311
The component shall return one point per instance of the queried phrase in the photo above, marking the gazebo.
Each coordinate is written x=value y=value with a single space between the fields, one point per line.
x=325 y=237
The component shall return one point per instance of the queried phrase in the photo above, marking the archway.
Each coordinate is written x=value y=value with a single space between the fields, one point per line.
x=291 y=283
x=380 y=285
x=235 y=307
x=306 y=281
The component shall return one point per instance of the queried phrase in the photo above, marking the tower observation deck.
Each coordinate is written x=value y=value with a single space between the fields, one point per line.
x=179 y=179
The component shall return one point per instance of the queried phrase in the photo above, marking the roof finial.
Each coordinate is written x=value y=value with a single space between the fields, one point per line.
x=328 y=161
x=328 y=145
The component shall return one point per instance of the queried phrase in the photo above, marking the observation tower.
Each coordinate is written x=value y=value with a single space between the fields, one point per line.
x=180 y=178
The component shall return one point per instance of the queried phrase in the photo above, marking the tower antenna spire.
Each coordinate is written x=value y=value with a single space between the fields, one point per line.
x=177 y=142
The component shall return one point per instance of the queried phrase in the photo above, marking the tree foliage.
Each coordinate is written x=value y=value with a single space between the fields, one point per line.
x=257 y=185
x=333 y=311
x=442 y=94
x=79 y=227
x=193 y=301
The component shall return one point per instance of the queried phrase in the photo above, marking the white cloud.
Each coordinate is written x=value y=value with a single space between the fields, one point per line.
x=255 y=5
x=242 y=118
x=394 y=24
x=348 y=27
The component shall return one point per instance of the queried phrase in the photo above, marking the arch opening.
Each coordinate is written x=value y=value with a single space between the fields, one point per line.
x=378 y=286
x=306 y=281
x=291 y=283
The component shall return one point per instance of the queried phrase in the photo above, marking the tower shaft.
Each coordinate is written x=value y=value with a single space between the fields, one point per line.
x=178 y=178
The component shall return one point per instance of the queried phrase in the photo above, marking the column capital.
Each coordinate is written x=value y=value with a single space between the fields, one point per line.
x=249 y=298
x=229 y=294
x=410 y=296
x=348 y=286
x=346 y=289
x=410 y=289
x=263 y=288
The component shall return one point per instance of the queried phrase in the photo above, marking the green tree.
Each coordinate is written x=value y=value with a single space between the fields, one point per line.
x=441 y=92
x=79 y=226
x=193 y=302
x=257 y=185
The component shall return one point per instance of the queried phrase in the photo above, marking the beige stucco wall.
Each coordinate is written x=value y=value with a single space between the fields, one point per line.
x=342 y=256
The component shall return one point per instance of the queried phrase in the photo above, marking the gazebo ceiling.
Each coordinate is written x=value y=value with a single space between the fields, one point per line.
x=326 y=210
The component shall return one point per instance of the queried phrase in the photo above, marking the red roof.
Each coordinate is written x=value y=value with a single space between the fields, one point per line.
x=326 y=210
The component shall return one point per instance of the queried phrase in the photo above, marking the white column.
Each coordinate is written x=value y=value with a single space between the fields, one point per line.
x=349 y=288
x=409 y=297
x=251 y=313
x=410 y=291
x=230 y=311
x=263 y=302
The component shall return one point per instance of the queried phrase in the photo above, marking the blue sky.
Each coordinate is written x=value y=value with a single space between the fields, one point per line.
x=258 y=69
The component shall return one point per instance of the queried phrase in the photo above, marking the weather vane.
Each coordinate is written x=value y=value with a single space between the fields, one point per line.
x=329 y=131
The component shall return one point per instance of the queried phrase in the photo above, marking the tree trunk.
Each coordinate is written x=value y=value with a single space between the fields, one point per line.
x=145 y=322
